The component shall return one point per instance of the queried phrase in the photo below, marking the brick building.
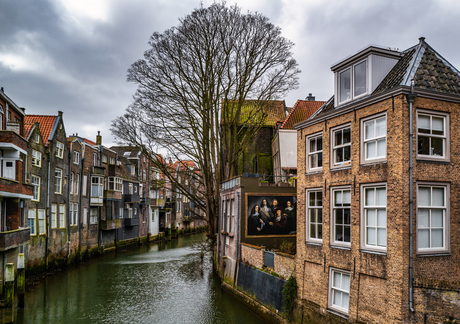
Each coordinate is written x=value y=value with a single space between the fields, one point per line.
x=15 y=191
x=381 y=182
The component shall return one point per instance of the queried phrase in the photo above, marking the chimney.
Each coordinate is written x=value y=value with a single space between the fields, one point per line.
x=310 y=97
x=99 y=138
x=2 y=89
x=421 y=40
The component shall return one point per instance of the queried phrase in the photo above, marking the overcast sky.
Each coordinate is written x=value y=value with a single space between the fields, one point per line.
x=72 y=55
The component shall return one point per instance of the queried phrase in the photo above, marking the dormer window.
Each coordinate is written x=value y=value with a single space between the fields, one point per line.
x=349 y=90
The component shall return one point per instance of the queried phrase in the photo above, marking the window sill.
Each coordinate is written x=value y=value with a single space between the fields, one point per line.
x=340 y=247
x=314 y=172
x=314 y=243
x=373 y=252
x=338 y=168
x=366 y=163
x=338 y=313
x=433 y=254
x=440 y=161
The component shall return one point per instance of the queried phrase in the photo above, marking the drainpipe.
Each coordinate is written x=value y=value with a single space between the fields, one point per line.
x=80 y=187
x=410 y=99
x=68 y=204
x=218 y=231
x=48 y=217
x=238 y=204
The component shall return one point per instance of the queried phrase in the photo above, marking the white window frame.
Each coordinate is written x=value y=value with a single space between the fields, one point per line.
x=311 y=154
x=375 y=139
x=9 y=172
x=72 y=182
x=333 y=209
x=58 y=181
x=111 y=160
x=37 y=139
x=76 y=157
x=53 y=216
x=130 y=188
x=334 y=148
x=342 y=290
x=104 y=158
x=36 y=158
x=364 y=224
x=31 y=222
x=41 y=222
x=77 y=183
x=35 y=181
x=59 y=149
x=85 y=215
x=84 y=185
x=445 y=137
x=352 y=82
x=93 y=215
x=315 y=208
x=446 y=217
x=100 y=186
x=61 y=210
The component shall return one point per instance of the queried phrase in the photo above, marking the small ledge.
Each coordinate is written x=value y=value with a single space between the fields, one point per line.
x=347 y=248
x=441 y=254
x=313 y=243
x=337 y=313
x=340 y=168
x=373 y=252
x=446 y=162
x=313 y=172
x=365 y=164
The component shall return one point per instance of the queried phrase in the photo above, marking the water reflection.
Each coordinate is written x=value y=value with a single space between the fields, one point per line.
x=166 y=283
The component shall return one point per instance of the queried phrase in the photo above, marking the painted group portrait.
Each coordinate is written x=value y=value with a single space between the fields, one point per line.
x=271 y=215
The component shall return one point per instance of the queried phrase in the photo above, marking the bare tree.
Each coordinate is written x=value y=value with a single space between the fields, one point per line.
x=193 y=84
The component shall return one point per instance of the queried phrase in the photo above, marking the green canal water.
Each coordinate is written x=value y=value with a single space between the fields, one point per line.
x=165 y=283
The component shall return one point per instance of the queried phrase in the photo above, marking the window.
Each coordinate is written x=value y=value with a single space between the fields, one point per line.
x=133 y=170
x=111 y=160
x=374 y=147
x=116 y=184
x=77 y=183
x=130 y=213
x=9 y=169
x=432 y=218
x=74 y=214
x=341 y=146
x=374 y=217
x=120 y=212
x=135 y=189
x=232 y=211
x=339 y=290
x=84 y=185
x=58 y=181
x=93 y=215
x=76 y=157
x=72 y=182
x=349 y=90
x=59 y=150
x=104 y=158
x=314 y=152
x=97 y=187
x=341 y=216
x=62 y=216
x=36 y=185
x=95 y=159
x=31 y=221
x=135 y=211
x=85 y=215
x=130 y=189
x=37 y=139
x=41 y=222
x=314 y=215
x=36 y=158
x=53 y=216
x=432 y=135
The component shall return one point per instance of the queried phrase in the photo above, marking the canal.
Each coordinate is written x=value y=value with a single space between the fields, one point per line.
x=164 y=283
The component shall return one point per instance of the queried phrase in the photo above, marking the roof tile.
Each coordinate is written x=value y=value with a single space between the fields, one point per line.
x=46 y=123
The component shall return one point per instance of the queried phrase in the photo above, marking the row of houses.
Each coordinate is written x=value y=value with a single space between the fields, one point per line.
x=63 y=198
x=376 y=197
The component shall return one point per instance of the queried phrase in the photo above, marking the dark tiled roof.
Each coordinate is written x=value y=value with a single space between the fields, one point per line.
x=396 y=76
x=328 y=106
x=435 y=73
x=302 y=110
x=45 y=123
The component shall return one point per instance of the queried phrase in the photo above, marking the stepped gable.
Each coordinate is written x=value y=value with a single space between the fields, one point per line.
x=301 y=111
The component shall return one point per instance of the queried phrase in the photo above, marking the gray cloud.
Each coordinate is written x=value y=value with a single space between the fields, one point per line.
x=51 y=61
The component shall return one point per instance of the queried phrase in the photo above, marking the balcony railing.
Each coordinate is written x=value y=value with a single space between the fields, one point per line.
x=111 y=224
x=146 y=201
x=14 y=238
x=129 y=222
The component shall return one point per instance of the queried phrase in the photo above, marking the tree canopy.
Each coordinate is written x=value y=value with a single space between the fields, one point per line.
x=192 y=86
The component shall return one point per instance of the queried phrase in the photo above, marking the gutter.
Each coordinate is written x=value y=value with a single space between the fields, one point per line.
x=48 y=211
x=68 y=205
x=410 y=99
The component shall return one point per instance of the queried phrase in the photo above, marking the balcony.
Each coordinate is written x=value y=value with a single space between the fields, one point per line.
x=157 y=202
x=14 y=238
x=146 y=201
x=130 y=222
x=110 y=224
x=112 y=195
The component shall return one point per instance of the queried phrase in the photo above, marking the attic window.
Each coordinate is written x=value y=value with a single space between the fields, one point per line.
x=349 y=90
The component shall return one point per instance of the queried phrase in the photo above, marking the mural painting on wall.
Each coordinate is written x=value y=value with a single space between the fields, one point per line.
x=271 y=215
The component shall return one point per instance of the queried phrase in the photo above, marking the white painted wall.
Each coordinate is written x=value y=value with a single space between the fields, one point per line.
x=154 y=225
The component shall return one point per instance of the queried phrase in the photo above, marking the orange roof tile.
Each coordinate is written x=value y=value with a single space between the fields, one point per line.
x=46 y=123
x=303 y=109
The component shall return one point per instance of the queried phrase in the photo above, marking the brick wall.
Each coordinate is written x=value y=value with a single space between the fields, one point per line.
x=284 y=264
x=252 y=254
